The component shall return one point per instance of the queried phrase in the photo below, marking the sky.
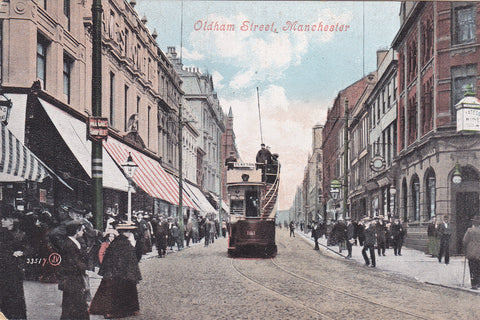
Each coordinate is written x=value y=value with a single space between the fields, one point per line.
x=298 y=54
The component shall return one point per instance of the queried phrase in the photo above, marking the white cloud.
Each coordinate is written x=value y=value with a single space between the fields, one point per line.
x=192 y=55
x=287 y=129
x=257 y=56
x=217 y=80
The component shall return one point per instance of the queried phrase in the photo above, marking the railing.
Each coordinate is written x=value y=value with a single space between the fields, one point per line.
x=270 y=195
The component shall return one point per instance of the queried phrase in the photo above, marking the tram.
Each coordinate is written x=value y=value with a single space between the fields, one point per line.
x=252 y=193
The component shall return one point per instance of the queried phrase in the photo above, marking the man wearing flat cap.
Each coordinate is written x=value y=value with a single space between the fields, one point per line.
x=471 y=243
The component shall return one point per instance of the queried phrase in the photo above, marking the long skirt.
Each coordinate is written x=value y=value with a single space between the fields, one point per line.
x=116 y=298
x=12 y=298
x=433 y=246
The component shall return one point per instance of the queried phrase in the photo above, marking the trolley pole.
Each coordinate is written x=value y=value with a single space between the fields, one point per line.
x=97 y=161
x=345 y=162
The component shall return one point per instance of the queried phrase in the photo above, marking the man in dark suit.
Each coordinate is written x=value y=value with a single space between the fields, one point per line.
x=369 y=244
x=398 y=234
x=72 y=274
x=350 y=237
x=444 y=232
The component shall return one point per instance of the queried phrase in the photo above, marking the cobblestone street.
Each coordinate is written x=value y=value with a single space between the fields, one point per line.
x=299 y=283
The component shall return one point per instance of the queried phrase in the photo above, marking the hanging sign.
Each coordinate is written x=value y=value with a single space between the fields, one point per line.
x=97 y=128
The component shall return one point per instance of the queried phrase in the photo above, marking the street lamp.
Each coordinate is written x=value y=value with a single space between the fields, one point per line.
x=457 y=176
x=129 y=167
x=335 y=186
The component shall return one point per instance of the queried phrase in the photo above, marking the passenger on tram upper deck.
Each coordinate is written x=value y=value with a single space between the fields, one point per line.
x=263 y=155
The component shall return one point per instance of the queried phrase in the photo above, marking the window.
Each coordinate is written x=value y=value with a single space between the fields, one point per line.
x=66 y=12
x=412 y=119
x=111 y=29
x=462 y=76
x=431 y=195
x=138 y=104
x=412 y=59
x=67 y=76
x=148 y=125
x=127 y=35
x=112 y=99
x=125 y=107
x=427 y=109
x=416 y=198
x=42 y=45
x=464 y=23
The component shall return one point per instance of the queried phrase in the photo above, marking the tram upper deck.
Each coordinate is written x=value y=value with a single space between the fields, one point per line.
x=252 y=191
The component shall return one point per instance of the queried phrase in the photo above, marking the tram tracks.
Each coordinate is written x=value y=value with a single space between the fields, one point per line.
x=301 y=281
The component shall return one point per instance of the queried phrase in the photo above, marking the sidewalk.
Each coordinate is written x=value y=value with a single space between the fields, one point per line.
x=412 y=264
x=44 y=300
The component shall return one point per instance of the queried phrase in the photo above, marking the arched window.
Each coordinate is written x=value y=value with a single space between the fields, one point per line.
x=430 y=194
x=415 y=198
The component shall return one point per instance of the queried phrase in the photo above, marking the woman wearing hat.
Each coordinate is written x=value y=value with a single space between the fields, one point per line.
x=117 y=295
x=471 y=243
x=12 y=297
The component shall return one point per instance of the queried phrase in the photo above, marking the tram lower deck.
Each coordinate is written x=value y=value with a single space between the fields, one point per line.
x=252 y=236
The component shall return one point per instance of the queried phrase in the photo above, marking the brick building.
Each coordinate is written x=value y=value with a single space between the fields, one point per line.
x=438 y=56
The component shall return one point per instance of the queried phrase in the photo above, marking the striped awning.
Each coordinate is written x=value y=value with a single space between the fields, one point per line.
x=199 y=198
x=150 y=176
x=18 y=163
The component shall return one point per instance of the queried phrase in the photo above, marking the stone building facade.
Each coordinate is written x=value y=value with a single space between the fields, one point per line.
x=46 y=51
x=203 y=103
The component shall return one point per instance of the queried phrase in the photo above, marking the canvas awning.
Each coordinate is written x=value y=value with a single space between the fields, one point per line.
x=150 y=175
x=74 y=134
x=199 y=198
x=18 y=163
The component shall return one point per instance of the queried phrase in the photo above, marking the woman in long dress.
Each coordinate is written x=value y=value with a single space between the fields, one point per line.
x=117 y=295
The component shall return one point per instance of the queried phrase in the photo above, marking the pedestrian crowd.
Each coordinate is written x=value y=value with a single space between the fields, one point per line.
x=373 y=234
x=377 y=234
x=62 y=247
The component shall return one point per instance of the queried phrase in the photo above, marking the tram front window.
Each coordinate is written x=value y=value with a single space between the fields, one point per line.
x=251 y=204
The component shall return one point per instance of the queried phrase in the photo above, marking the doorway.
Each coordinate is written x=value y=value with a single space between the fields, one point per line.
x=251 y=205
x=467 y=205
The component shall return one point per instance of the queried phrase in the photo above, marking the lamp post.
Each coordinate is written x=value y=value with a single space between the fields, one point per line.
x=345 y=162
x=129 y=167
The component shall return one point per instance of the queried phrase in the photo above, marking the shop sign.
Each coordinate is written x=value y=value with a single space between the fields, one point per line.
x=97 y=128
x=468 y=119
